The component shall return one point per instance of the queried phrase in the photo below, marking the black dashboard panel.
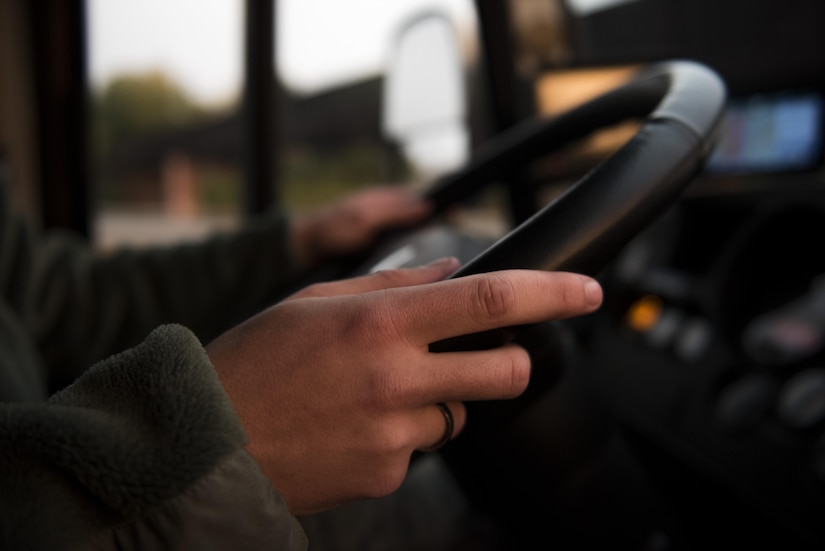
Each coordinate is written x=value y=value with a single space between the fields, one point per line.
x=710 y=351
x=692 y=415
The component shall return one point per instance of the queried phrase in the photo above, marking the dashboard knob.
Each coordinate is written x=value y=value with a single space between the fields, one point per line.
x=746 y=402
x=801 y=402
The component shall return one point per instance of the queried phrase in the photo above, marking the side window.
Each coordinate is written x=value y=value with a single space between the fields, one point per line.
x=165 y=90
x=330 y=62
x=165 y=84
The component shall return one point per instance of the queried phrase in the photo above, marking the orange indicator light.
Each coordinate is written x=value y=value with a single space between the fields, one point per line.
x=644 y=313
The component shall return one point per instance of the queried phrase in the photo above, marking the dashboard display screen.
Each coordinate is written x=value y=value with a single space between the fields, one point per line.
x=770 y=133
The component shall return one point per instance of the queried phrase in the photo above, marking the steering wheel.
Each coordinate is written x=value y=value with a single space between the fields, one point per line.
x=515 y=461
x=582 y=230
x=680 y=103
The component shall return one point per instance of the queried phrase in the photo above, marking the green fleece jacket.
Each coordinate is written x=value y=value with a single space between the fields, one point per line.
x=115 y=432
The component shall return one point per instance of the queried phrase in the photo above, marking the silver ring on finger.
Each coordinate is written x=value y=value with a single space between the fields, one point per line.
x=448 y=429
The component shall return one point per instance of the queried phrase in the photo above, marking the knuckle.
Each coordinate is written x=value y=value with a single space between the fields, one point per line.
x=494 y=298
x=372 y=328
x=371 y=324
x=385 y=482
x=520 y=366
x=392 y=444
x=354 y=217
x=387 y=390
x=568 y=295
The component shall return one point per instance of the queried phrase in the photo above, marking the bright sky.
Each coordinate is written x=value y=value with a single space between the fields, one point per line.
x=203 y=52
x=199 y=42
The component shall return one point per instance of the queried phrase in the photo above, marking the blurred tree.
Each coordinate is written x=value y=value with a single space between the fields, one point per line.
x=136 y=105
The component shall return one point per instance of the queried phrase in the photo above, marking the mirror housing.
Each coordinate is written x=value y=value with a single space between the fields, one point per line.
x=424 y=97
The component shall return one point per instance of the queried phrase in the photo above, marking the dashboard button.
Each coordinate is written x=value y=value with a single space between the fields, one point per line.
x=801 y=402
x=746 y=402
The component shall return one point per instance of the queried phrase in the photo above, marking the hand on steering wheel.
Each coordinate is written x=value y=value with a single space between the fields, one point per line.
x=352 y=224
x=336 y=386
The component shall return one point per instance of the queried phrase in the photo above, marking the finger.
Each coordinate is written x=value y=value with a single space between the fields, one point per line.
x=387 y=206
x=429 y=313
x=386 y=279
x=437 y=426
x=373 y=210
x=496 y=374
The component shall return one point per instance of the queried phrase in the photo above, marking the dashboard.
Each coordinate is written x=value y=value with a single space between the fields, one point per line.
x=770 y=133
x=710 y=348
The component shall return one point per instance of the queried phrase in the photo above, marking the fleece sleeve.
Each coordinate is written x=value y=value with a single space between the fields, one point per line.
x=109 y=303
x=80 y=306
x=143 y=451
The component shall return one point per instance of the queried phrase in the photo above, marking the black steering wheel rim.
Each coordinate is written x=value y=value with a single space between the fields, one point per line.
x=520 y=461
x=681 y=104
x=684 y=92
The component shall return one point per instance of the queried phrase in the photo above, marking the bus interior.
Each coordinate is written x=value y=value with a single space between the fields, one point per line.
x=689 y=411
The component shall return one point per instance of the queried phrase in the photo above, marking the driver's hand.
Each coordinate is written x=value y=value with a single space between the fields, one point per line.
x=337 y=388
x=352 y=224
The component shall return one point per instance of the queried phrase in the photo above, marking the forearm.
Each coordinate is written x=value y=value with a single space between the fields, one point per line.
x=82 y=307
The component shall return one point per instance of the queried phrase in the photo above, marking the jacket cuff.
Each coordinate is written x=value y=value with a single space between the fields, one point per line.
x=234 y=507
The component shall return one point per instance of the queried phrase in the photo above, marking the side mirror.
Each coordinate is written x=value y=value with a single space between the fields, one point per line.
x=424 y=101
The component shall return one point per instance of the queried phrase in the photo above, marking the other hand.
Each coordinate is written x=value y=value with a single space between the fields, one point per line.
x=352 y=224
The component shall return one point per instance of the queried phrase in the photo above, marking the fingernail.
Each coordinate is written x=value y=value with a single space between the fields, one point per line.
x=592 y=292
